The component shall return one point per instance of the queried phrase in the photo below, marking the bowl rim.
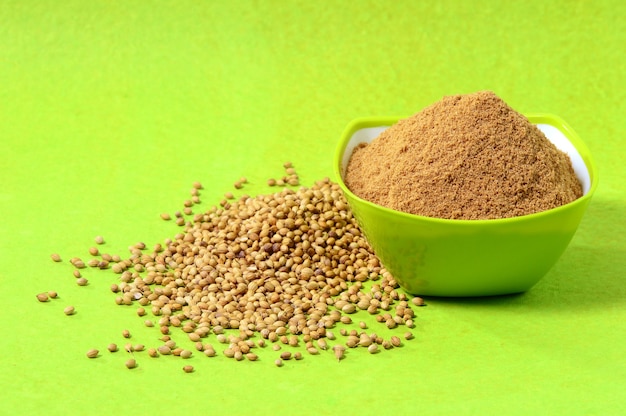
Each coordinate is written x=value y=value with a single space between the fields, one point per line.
x=535 y=118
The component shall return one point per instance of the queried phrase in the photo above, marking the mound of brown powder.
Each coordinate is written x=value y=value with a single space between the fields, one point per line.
x=464 y=157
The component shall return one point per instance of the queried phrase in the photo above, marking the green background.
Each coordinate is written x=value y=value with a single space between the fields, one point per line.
x=110 y=110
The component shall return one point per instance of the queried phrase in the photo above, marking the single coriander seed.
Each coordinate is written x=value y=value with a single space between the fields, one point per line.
x=69 y=310
x=93 y=353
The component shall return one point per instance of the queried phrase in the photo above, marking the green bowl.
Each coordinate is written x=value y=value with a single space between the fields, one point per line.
x=443 y=257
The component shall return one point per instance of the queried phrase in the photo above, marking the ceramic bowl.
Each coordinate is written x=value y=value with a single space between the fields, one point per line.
x=443 y=257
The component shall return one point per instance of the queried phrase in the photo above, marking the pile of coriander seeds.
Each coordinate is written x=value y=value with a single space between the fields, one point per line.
x=289 y=268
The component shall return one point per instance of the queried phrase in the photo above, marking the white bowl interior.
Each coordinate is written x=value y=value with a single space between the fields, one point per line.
x=556 y=136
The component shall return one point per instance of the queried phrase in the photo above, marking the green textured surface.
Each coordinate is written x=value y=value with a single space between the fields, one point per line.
x=110 y=110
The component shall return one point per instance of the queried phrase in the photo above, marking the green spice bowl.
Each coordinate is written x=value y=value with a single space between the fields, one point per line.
x=443 y=257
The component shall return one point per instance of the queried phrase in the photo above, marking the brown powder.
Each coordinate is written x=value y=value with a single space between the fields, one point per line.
x=464 y=157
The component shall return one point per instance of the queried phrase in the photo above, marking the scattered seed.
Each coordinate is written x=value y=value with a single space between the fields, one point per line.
x=395 y=341
x=362 y=325
x=112 y=347
x=417 y=301
x=185 y=354
x=352 y=341
x=55 y=257
x=278 y=362
x=42 y=297
x=164 y=350
x=276 y=347
x=148 y=323
x=131 y=363
x=252 y=356
x=285 y=355
x=188 y=369
x=165 y=216
x=128 y=347
x=152 y=352
x=81 y=281
x=93 y=251
x=99 y=239
x=138 y=347
x=93 y=353
x=126 y=333
x=349 y=308
x=339 y=351
x=373 y=349
x=69 y=310
x=408 y=335
x=365 y=341
x=76 y=273
x=197 y=185
x=312 y=350
x=297 y=355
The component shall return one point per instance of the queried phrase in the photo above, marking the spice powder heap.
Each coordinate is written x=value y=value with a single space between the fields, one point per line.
x=464 y=157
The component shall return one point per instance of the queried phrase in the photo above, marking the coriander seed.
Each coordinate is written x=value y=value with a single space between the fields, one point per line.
x=188 y=369
x=93 y=353
x=339 y=351
x=55 y=257
x=69 y=310
x=42 y=297
x=395 y=341
x=131 y=363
